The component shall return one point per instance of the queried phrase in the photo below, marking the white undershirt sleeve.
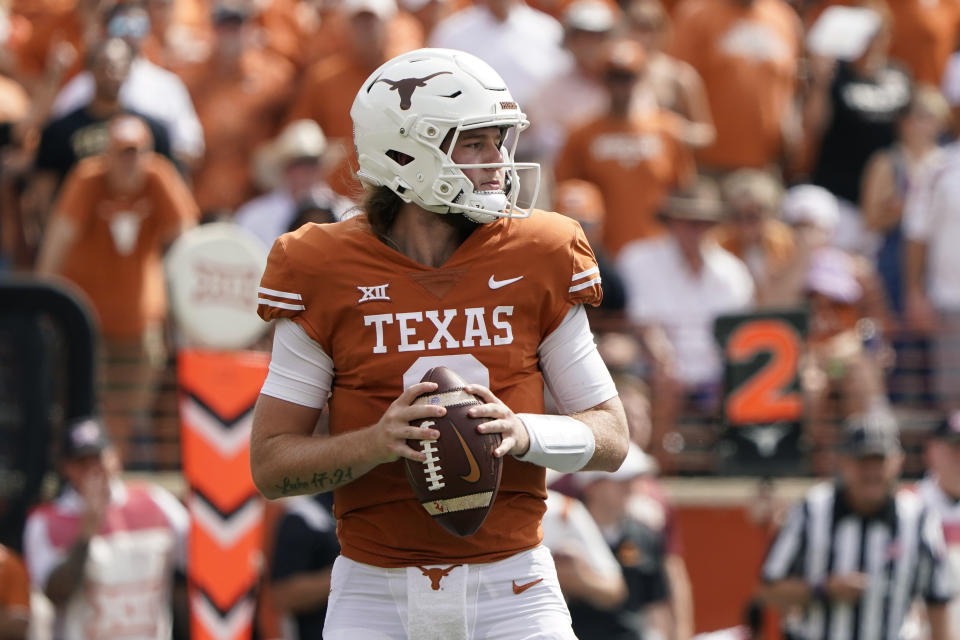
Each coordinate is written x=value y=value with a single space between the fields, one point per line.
x=300 y=370
x=572 y=367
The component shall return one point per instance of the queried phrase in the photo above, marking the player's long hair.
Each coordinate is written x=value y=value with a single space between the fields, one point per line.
x=381 y=206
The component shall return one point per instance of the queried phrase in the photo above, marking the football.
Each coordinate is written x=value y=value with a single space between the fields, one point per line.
x=459 y=480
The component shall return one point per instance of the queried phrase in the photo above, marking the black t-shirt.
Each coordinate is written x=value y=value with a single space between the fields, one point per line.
x=79 y=134
x=306 y=542
x=641 y=551
x=865 y=112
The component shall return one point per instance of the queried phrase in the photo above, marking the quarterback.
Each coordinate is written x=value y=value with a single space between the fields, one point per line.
x=441 y=268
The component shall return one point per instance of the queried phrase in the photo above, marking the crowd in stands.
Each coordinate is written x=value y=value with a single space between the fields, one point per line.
x=722 y=156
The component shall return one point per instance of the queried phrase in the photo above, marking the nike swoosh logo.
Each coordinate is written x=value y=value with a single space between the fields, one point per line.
x=520 y=588
x=474 y=473
x=496 y=284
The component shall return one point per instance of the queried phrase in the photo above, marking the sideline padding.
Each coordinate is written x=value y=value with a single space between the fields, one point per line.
x=217 y=392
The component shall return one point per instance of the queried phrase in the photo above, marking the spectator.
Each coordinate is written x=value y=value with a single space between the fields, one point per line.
x=148 y=89
x=103 y=551
x=587 y=569
x=635 y=159
x=402 y=28
x=851 y=113
x=240 y=91
x=305 y=548
x=754 y=234
x=746 y=52
x=115 y=216
x=39 y=27
x=583 y=202
x=293 y=165
x=639 y=549
x=83 y=132
x=327 y=92
x=587 y=26
x=14 y=596
x=175 y=40
x=837 y=359
x=889 y=175
x=855 y=553
x=814 y=213
x=940 y=492
x=522 y=44
x=932 y=280
x=674 y=83
x=683 y=280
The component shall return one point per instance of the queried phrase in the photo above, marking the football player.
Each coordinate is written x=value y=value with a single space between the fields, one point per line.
x=441 y=268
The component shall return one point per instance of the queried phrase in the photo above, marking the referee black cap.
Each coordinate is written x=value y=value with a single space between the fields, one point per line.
x=874 y=433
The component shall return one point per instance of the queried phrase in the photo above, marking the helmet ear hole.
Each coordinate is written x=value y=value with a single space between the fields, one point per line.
x=400 y=157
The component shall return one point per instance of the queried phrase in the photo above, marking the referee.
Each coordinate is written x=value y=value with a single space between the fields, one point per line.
x=854 y=554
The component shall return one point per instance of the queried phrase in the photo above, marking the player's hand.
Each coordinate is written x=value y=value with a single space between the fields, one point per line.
x=503 y=420
x=391 y=433
x=846 y=587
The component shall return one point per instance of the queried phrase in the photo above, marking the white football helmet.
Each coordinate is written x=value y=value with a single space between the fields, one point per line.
x=406 y=109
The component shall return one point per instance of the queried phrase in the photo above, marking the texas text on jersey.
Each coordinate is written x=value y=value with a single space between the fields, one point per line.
x=385 y=320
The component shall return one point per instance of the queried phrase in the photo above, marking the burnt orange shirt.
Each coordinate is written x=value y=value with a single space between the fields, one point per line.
x=116 y=257
x=925 y=33
x=747 y=57
x=14 y=584
x=635 y=163
x=379 y=315
x=403 y=33
x=239 y=111
x=51 y=21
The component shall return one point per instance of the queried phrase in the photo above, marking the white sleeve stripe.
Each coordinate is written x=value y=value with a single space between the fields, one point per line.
x=281 y=305
x=279 y=294
x=584 y=274
x=584 y=285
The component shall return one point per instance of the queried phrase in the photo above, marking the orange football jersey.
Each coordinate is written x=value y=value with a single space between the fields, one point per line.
x=385 y=320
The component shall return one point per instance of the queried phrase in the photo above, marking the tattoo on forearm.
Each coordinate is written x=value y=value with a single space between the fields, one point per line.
x=321 y=481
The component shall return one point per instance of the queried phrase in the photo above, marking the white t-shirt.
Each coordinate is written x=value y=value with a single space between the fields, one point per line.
x=932 y=215
x=662 y=290
x=269 y=216
x=150 y=90
x=129 y=571
x=569 y=528
x=525 y=49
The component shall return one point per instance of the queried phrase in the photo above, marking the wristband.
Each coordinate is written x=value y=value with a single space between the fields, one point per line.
x=557 y=442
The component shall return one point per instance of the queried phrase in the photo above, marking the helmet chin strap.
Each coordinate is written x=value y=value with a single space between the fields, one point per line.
x=489 y=200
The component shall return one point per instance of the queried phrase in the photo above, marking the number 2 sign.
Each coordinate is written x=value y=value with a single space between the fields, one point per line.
x=763 y=402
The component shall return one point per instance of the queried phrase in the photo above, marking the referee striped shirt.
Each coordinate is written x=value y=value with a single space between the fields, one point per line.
x=900 y=549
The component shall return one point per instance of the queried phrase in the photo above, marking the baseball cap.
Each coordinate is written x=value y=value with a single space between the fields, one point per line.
x=84 y=437
x=831 y=273
x=948 y=429
x=810 y=204
x=383 y=9
x=129 y=132
x=637 y=463
x=589 y=15
x=874 y=433
x=699 y=202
